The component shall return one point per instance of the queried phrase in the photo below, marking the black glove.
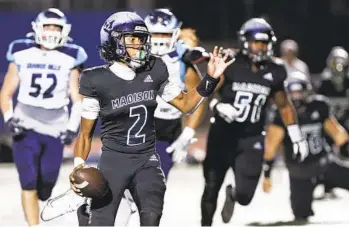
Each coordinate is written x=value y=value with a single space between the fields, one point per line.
x=67 y=137
x=14 y=127
x=344 y=150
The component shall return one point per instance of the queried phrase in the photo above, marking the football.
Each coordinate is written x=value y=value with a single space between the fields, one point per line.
x=91 y=182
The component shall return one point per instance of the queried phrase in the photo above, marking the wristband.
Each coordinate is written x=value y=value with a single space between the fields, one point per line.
x=207 y=85
x=267 y=166
x=295 y=133
x=78 y=161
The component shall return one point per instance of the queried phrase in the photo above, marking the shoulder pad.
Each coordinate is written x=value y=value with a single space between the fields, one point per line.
x=18 y=45
x=74 y=51
x=278 y=61
x=318 y=98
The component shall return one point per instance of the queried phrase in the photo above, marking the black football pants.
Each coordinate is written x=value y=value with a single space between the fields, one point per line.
x=245 y=156
x=335 y=176
x=142 y=175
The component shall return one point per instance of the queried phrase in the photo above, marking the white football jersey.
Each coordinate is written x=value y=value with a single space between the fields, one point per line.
x=44 y=84
x=44 y=75
x=176 y=70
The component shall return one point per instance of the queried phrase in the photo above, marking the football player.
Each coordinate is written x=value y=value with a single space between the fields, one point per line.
x=171 y=143
x=46 y=70
x=123 y=95
x=334 y=84
x=315 y=120
x=236 y=136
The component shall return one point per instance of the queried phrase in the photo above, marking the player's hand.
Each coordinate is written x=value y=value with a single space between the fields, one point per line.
x=224 y=110
x=300 y=150
x=179 y=147
x=73 y=185
x=267 y=184
x=67 y=137
x=14 y=126
x=217 y=64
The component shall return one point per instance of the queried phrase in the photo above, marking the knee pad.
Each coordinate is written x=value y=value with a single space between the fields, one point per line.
x=45 y=191
x=243 y=199
x=149 y=218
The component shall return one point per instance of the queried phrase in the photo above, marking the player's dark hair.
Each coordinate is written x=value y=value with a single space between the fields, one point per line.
x=107 y=52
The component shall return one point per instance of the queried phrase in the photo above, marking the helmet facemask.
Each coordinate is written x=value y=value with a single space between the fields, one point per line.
x=163 y=43
x=48 y=38
x=338 y=72
x=298 y=92
x=133 y=46
x=260 y=55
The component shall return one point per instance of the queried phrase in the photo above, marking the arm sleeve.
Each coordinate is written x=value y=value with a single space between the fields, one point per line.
x=168 y=89
x=86 y=87
x=275 y=117
x=90 y=108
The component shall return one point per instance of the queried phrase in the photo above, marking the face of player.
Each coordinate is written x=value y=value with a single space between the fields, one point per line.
x=298 y=98
x=160 y=43
x=258 y=47
x=135 y=45
x=289 y=54
x=51 y=35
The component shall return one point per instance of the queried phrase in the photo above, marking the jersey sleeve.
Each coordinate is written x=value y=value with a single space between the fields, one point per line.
x=168 y=90
x=81 y=57
x=274 y=117
x=279 y=81
x=86 y=87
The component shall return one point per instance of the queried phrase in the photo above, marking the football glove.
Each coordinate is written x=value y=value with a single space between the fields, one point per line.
x=180 y=146
x=67 y=137
x=300 y=145
x=224 y=110
x=14 y=127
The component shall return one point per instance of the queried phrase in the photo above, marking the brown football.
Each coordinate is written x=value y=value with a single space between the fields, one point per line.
x=91 y=182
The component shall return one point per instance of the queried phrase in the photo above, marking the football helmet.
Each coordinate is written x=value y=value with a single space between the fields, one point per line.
x=298 y=87
x=256 y=29
x=162 y=21
x=113 y=33
x=337 y=62
x=51 y=39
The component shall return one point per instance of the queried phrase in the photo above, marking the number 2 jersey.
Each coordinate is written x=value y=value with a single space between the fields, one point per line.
x=44 y=84
x=248 y=93
x=127 y=106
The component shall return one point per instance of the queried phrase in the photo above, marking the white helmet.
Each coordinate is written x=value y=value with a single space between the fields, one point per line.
x=165 y=22
x=51 y=39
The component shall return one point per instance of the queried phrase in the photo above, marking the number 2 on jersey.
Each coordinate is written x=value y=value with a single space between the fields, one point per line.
x=48 y=92
x=243 y=104
x=134 y=134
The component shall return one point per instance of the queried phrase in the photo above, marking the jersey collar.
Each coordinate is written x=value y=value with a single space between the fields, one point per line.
x=122 y=71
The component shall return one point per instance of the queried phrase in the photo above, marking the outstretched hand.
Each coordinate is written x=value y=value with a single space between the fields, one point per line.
x=217 y=64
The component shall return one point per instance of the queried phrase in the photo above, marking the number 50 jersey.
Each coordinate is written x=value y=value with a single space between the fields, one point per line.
x=248 y=93
x=44 y=75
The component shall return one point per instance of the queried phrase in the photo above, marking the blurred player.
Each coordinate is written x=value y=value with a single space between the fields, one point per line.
x=46 y=70
x=289 y=52
x=334 y=84
x=236 y=138
x=123 y=93
x=315 y=119
x=171 y=144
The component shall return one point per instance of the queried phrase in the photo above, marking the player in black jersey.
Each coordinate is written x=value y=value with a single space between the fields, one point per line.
x=123 y=95
x=316 y=120
x=334 y=84
x=236 y=138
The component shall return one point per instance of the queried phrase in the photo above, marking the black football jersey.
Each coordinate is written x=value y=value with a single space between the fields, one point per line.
x=127 y=106
x=311 y=119
x=249 y=92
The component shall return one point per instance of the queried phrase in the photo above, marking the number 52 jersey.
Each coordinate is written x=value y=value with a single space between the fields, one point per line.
x=44 y=75
x=248 y=92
